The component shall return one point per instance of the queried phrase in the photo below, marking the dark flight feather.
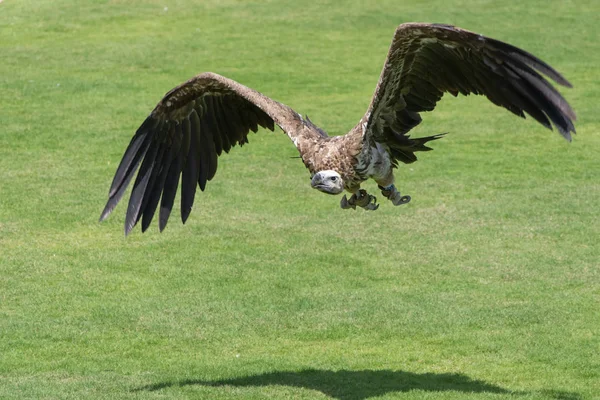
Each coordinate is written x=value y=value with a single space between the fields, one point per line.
x=153 y=197
x=212 y=125
x=235 y=132
x=203 y=150
x=133 y=155
x=152 y=181
x=170 y=190
x=189 y=175
x=139 y=187
x=172 y=149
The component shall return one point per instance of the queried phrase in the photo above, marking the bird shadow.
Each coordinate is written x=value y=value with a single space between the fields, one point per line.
x=359 y=385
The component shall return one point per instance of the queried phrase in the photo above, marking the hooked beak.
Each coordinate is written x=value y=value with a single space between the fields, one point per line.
x=316 y=181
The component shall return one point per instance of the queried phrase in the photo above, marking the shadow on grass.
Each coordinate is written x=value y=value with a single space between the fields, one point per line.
x=357 y=385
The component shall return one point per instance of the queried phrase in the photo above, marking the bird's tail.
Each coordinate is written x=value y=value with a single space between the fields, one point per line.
x=419 y=143
x=405 y=147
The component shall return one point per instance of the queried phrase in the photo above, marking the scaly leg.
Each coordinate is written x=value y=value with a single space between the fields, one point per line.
x=362 y=199
x=394 y=195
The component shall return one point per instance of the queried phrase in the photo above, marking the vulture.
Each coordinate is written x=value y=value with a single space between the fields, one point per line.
x=199 y=120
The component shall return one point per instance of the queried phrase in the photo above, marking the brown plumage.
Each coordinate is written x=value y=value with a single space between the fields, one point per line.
x=200 y=119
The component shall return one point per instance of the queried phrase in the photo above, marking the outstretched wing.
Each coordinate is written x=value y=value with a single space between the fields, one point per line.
x=184 y=135
x=427 y=60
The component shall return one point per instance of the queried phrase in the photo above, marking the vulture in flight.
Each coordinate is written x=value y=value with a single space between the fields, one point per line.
x=197 y=121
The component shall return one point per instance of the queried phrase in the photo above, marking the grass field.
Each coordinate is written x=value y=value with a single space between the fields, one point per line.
x=486 y=286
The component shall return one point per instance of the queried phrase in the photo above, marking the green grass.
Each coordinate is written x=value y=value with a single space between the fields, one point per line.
x=486 y=286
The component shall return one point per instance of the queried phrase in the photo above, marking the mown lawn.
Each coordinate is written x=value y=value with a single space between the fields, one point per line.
x=486 y=286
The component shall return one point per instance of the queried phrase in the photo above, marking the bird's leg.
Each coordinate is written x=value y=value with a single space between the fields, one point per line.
x=394 y=195
x=360 y=198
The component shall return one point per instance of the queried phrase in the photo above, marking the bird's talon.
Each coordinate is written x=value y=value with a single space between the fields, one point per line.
x=346 y=204
x=371 y=202
x=371 y=206
x=401 y=200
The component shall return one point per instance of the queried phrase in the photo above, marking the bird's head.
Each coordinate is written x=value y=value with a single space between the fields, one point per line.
x=327 y=181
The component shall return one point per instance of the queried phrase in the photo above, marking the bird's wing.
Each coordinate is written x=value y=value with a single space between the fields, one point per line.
x=427 y=60
x=184 y=135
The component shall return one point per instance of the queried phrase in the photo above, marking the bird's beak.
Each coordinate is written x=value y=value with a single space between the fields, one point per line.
x=316 y=181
